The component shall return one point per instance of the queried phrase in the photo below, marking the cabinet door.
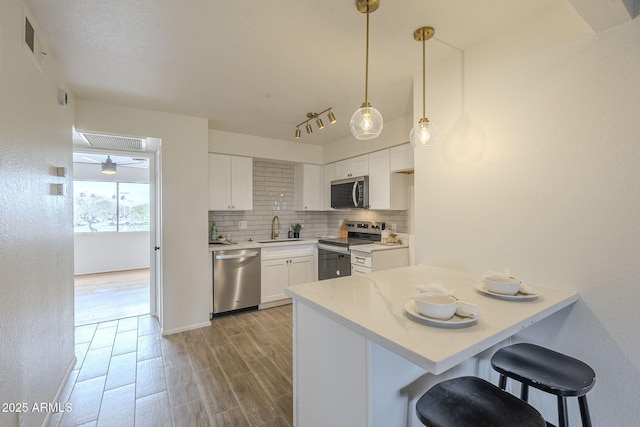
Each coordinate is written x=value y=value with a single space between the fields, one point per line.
x=241 y=183
x=355 y=166
x=401 y=158
x=379 y=180
x=275 y=277
x=308 y=195
x=360 y=165
x=219 y=182
x=300 y=270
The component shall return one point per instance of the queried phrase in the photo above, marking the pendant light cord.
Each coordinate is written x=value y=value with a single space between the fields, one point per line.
x=424 y=90
x=366 y=69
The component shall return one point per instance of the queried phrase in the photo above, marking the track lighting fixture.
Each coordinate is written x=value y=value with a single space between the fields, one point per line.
x=425 y=133
x=366 y=122
x=319 y=122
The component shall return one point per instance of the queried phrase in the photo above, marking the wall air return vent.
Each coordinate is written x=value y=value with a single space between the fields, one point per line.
x=113 y=142
x=31 y=41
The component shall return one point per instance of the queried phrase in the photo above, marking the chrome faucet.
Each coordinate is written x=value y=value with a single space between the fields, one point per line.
x=275 y=232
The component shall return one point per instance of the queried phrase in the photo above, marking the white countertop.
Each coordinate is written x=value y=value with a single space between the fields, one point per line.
x=374 y=247
x=372 y=305
x=256 y=244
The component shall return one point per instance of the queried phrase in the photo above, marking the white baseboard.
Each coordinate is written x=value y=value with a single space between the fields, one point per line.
x=275 y=303
x=185 y=328
x=63 y=384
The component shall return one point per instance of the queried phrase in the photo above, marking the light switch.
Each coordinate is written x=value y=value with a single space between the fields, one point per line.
x=59 y=189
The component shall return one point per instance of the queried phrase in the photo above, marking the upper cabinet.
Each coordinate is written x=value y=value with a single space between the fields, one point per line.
x=401 y=158
x=308 y=194
x=355 y=166
x=387 y=190
x=230 y=182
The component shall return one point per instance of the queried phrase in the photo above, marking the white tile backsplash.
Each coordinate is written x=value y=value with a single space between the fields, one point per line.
x=273 y=195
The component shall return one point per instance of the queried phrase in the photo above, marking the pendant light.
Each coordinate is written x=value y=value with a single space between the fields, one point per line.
x=425 y=133
x=366 y=122
x=109 y=167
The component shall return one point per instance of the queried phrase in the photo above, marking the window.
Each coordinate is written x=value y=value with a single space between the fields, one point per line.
x=110 y=206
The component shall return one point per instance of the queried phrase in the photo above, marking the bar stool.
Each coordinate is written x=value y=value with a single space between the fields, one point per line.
x=549 y=371
x=471 y=401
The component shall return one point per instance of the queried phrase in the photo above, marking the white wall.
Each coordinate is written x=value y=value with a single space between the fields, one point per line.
x=36 y=236
x=553 y=191
x=263 y=148
x=110 y=251
x=186 y=293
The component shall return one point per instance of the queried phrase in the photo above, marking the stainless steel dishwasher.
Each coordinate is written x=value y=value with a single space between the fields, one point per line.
x=236 y=280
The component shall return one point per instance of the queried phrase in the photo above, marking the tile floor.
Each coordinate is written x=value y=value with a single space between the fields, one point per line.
x=236 y=372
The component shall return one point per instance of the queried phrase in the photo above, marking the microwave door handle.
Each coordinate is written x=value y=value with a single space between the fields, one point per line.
x=353 y=194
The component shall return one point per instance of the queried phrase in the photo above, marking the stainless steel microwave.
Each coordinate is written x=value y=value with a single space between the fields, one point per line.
x=350 y=193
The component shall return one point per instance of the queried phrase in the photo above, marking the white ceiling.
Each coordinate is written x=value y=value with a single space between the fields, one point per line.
x=257 y=67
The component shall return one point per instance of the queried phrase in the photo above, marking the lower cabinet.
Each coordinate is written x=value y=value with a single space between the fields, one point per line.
x=285 y=266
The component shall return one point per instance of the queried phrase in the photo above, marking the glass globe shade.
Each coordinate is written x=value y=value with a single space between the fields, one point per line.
x=424 y=134
x=366 y=123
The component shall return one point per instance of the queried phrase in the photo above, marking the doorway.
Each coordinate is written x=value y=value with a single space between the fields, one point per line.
x=115 y=233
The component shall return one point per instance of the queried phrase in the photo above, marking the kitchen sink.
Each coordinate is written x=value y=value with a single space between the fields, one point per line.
x=278 y=240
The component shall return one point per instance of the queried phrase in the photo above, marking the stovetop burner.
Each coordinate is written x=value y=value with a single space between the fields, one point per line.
x=358 y=233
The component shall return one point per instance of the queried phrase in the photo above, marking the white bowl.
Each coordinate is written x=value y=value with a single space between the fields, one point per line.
x=436 y=306
x=504 y=287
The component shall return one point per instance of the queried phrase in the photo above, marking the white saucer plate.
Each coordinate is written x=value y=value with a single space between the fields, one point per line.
x=517 y=297
x=455 y=322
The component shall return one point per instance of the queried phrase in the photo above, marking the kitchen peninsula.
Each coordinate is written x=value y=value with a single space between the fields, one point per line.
x=359 y=359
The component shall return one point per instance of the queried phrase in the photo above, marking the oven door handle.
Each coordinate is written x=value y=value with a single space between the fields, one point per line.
x=332 y=248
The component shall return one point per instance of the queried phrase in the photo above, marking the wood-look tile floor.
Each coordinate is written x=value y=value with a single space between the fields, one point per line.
x=109 y=296
x=236 y=372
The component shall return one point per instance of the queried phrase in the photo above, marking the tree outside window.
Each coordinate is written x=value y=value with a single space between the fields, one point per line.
x=110 y=206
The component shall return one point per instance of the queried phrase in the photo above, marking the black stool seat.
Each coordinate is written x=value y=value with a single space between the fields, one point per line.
x=546 y=370
x=471 y=401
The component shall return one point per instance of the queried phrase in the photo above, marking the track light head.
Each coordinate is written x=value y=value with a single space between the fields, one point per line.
x=332 y=118
x=309 y=128
x=298 y=133
x=319 y=123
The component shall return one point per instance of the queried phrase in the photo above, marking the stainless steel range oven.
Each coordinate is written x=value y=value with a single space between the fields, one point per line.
x=334 y=255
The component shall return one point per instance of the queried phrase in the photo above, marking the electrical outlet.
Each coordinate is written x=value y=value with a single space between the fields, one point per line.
x=242 y=225
x=394 y=227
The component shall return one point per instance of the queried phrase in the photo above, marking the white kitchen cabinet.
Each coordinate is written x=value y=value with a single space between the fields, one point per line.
x=284 y=266
x=308 y=194
x=387 y=190
x=355 y=166
x=230 y=182
x=401 y=158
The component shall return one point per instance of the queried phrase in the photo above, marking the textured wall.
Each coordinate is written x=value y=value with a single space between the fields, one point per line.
x=36 y=236
x=273 y=195
x=551 y=192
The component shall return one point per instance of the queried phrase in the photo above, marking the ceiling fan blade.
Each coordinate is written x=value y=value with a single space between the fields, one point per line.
x=90 y=159
x=134 y=162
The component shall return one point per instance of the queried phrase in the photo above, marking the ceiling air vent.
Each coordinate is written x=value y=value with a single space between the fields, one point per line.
x=115 y=142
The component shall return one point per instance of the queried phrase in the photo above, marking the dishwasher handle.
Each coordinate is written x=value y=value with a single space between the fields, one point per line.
x=252 y=254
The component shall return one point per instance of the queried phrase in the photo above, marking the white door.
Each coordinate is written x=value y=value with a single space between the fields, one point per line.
x=155 y=279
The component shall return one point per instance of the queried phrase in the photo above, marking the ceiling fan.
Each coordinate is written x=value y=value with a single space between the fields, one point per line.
x=109 y=167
